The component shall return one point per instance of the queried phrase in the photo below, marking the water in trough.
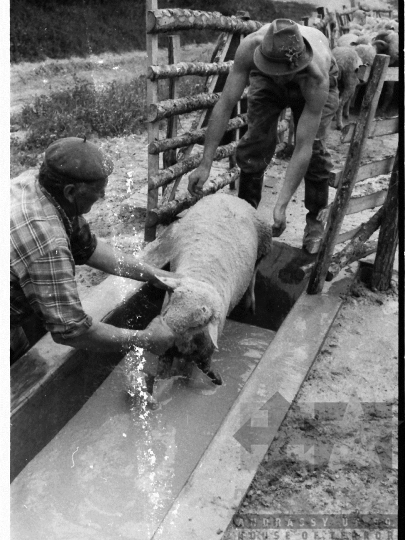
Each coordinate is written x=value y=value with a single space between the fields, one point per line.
x=114 y=470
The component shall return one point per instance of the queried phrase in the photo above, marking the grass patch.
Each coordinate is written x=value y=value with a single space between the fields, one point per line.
x=112 y=110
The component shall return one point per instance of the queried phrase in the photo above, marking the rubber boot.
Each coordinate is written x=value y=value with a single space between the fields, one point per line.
x=250 y=187
x=313 y=234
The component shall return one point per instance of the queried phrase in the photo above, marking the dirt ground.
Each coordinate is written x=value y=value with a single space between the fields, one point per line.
x=317 y=465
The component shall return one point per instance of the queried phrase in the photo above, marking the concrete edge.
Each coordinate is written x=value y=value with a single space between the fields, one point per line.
x=214 y=491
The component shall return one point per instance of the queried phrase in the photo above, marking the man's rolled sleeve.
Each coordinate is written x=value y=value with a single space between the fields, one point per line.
x=51 y=289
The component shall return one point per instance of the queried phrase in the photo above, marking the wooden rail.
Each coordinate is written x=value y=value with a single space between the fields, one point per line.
x=386 y=218
x=177 y=148
x=173 y=20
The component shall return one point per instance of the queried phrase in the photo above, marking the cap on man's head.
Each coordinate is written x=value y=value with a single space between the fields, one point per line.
x=77 y=160
x=283 y=50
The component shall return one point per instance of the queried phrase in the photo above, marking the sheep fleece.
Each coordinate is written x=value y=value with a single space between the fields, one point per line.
x=215 y=246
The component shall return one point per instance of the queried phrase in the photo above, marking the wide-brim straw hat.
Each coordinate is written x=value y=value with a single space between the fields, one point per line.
x=283 y=50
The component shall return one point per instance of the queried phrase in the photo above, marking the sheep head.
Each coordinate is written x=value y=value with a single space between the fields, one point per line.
x=192 y=311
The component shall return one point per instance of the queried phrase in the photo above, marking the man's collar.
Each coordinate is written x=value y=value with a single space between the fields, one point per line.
x=65 y=220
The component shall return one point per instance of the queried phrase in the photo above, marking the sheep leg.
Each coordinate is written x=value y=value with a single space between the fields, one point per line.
x=249 y=299
x=389 y=93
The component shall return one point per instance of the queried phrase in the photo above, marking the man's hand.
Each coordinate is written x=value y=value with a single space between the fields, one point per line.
x=197 y=179
x=157 y=336
x=280 y=222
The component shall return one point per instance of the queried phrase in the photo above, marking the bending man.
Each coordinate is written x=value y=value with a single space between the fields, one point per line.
x=286 y=65
x=49 y=235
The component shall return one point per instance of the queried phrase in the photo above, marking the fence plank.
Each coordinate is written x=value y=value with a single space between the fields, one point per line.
x=168 y=175
x=153 y=127
x=193 y=137
x=355 y=247
x=166 y=213
x=388 y=238
x=367 y=112
x=386 y=126
x=181 y=69
x=168 y=20
x=368 y=170
x=365 y=202
x=169 y=107
x=169 y=156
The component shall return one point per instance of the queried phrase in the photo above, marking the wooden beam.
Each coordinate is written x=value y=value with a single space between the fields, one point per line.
x=368 y=170
x=220 y=54
x=193 y=137
x=166 y=213
x=357 y=245
x=169 y=155
x=365 y=202
x=344 y=237
x=367 y=112
x=153 y=127
x=388 y=238
x=169 y=107
x=380 y=127
x=180 y=69
x=166 y=176
x=364 y=71
x=168 y=20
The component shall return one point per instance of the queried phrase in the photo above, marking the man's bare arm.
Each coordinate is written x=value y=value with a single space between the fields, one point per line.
x=102 y=337
x=307 y=128
x=235 y=84
x=116 y=262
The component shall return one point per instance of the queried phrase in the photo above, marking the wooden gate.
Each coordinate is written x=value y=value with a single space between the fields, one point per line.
x=386 y=218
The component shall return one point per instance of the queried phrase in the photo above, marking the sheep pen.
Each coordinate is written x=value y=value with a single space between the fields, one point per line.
x=356 y=363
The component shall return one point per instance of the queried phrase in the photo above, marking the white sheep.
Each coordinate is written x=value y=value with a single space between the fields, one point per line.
x=216 y=247
x=388 y=43
x=348 y=62
x=347 y=39
x=366 y=52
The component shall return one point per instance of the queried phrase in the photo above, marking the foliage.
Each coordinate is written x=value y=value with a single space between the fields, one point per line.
x=115 y=109
x=41 y=29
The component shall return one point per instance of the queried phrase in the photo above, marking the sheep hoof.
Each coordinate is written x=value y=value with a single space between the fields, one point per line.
x=214 y=376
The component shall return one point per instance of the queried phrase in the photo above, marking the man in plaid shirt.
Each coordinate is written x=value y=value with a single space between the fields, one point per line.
x=49 y=235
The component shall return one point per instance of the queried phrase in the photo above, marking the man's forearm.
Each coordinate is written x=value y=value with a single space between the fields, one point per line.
x=295 y=172
x=215 y=131
x=102 y=337
x=116 y=262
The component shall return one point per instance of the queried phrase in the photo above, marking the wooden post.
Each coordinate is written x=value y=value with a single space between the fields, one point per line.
x=351 y=168
x=388 y=237
x=218 y=56
x=153 y=127
x=170 y=156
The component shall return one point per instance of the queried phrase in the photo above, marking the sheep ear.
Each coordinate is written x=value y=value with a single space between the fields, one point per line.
x=167 y=283
x=213 y=333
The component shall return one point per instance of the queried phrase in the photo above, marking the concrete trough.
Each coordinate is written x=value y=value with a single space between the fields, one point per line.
x=265 y=360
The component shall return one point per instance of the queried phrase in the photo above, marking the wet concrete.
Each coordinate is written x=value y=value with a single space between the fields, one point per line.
x=114 y=471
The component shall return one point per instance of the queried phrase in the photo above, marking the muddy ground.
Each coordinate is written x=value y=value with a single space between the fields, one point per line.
x=345 y=465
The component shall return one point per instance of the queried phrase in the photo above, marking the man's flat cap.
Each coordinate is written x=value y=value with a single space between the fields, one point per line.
x=77 y=159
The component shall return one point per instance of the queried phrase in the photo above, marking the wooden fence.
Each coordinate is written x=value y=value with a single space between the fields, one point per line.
x=328 y=264
x=170 y=157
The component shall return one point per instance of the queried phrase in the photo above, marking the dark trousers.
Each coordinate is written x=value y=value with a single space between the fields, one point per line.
x=256 y=148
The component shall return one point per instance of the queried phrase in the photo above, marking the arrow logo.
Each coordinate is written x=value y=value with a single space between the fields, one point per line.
x=247 y=436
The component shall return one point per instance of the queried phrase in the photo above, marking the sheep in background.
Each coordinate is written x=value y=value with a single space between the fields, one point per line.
x=346 y=40
x=388 y=43
x=366 y=52
x=358 y=21
x=348 y=62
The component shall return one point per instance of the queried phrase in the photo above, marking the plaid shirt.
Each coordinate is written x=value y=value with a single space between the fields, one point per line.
x=45 y=245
